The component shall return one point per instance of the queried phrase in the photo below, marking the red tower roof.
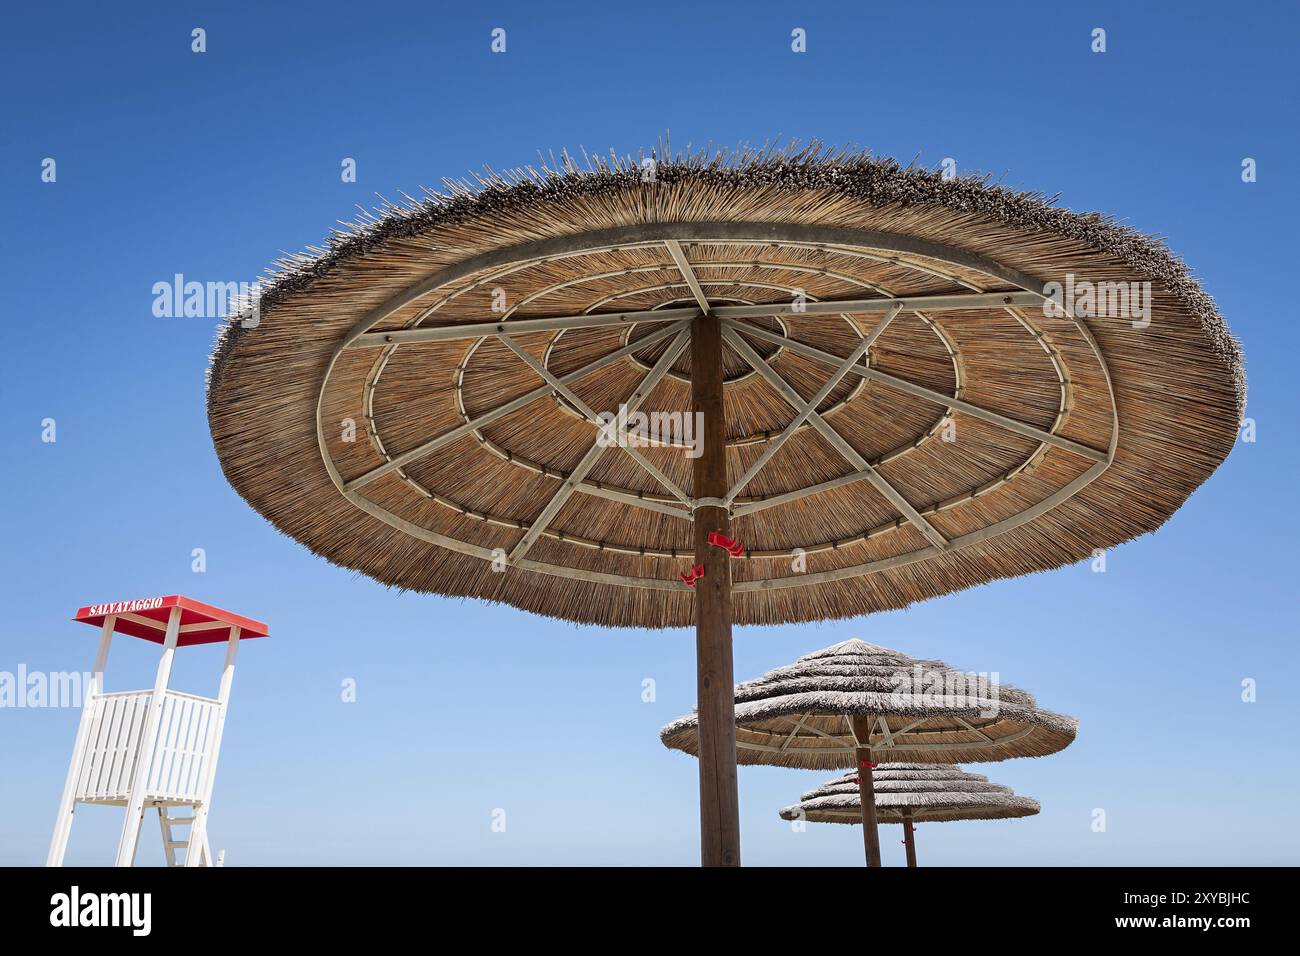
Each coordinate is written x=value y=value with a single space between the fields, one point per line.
x=147 y=618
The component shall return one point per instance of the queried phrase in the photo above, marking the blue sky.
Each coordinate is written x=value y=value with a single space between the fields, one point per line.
x=212 y=164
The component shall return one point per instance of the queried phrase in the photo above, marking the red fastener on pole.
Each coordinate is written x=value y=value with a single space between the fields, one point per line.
x=720 y=540
x=694 y=574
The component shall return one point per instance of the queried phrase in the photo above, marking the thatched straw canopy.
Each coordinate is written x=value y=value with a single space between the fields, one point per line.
x=393 y=406
x=921 y=711
x=925 y=792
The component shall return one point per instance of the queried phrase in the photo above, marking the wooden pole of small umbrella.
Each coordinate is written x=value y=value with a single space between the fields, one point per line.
x=909 y=837
x=866 y=788
x=719 y=801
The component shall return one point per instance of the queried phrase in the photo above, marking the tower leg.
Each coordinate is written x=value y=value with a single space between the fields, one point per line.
x=130 y=839
x=719 y=801
x=67 y=803
x=199 y=829
x=62 y=831
x=194 y=855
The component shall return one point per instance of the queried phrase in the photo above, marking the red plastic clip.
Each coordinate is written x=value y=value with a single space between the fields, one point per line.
x=694 y=574
x=866 y=763
x=733 y=547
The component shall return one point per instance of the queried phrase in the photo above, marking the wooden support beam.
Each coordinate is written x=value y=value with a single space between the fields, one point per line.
x=719 y=799
x=911 y=303
x=866 y=788
x=589 y=413
x=798 y=725
x=930 y=395
x=580 y=471
x=475 y=330
x=801 y=414
x=909 y=837
x=762 y=504
x=487 y=418
x=684 y=267
x=837 y=441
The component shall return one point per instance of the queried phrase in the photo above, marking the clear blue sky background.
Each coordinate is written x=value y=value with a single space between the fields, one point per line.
x=212 y=164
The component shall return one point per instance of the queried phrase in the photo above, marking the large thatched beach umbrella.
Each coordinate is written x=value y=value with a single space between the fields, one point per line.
x=853 y=703
x=897 y=395
x=911 y=793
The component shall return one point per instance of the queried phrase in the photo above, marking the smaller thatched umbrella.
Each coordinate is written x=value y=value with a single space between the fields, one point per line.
x=907 y=793
x=844 y=705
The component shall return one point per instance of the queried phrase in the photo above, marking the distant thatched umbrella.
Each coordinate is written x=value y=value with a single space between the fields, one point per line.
x=910 y=793
x=847 y=704
x=417 y=401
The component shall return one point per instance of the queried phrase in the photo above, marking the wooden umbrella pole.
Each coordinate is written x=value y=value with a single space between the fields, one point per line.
x=866 y=788
x=909 y=837
x=719 y=802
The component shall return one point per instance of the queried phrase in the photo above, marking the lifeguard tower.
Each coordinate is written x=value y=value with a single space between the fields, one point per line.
x=152 y=748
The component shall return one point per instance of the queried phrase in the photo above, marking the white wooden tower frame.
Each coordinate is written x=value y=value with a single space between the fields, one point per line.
x=152 y=749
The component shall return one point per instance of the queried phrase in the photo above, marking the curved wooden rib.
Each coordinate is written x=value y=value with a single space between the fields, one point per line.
x=852 y=242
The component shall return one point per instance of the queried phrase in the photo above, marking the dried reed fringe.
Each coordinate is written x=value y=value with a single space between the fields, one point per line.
x=791 y=165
